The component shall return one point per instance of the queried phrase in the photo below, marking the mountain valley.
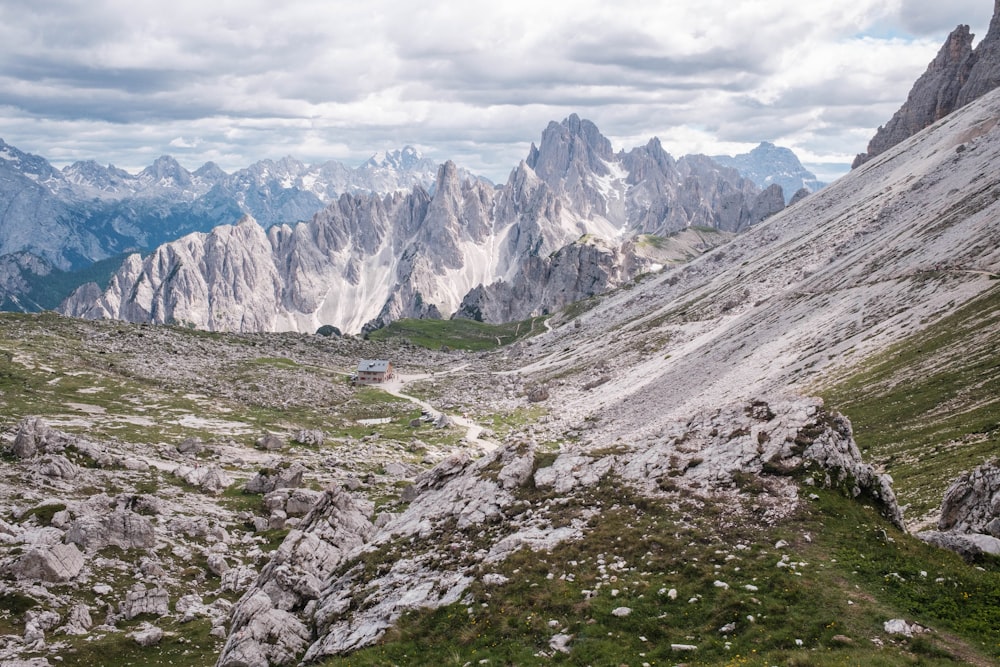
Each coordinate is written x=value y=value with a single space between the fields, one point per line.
x=645 y=482
x=637 y=410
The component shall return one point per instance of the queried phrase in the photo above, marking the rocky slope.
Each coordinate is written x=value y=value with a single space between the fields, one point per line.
x=565 y=226
x=958 y=75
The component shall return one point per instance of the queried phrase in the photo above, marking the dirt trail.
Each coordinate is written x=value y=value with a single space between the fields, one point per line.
x=473 y=430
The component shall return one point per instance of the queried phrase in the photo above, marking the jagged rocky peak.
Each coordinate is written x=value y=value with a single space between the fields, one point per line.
x=166 y=171
x=399 y=160
x=26 y=163
x=985 y=73
x=958 y=75
x=569 y=148
x=210 y=172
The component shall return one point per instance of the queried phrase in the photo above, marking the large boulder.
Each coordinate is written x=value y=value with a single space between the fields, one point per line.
x=121 y=528
x=52 y=562
x=210 y=479
x=142 y=600
x=267 y=628
x=972 y=502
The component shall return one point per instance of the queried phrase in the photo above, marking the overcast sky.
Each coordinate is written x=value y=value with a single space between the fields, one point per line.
x=236 y=81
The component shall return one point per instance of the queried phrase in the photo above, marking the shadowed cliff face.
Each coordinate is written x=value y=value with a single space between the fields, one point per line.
x=958 y=75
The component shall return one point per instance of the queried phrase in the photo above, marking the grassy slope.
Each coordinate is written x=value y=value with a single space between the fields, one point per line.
x=928 y=408
x=852 y=572
x=458 y=334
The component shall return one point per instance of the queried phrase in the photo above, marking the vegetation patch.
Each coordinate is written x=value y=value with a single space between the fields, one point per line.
x=703 y=572
x=927 y=408
x=458 y=334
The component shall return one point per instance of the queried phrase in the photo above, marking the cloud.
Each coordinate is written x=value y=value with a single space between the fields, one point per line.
x=235 y=82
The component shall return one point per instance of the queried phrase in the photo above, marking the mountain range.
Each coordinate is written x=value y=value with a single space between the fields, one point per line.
x=58 y=221
x=574 y=219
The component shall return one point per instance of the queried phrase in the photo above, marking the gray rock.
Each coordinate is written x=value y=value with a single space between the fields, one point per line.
x=957 y=76
x=191 y=446
x=312 y=438
x=971 y=504
x=210 y=479
x=933 y=96
x=78 y=622
x=969 y=546
x=238 y=579
x=767 y=203
x=262 y=636
x=266 y=625
x=147 y=635
x=560 y=642
x=32 y=433
x=282 y=476
x=217 y=564
x=54 y=563
x=270 y=443
x=142 y=600
x=57 y=466
x=121 y=528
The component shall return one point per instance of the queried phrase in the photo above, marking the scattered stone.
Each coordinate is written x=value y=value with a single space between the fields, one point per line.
x=147 y=635
x=191 y=446
x=538 y=394
x=898 y=626
x=560 y=642
x=494 y=579
x=683 y=647
x=282 y=476
x=728 y=629
x=270 y=443
x=311 y=438
x=621 y=612
x=217 y=564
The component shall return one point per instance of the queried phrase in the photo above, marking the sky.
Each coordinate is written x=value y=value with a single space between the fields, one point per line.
x=237 y=81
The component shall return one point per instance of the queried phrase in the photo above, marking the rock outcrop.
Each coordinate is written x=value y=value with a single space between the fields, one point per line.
x=958 y=75
x=54 y=563
x=339 y=581
x=970 y=514
x=268 y=624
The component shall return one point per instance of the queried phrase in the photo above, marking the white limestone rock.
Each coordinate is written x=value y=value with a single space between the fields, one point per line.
x=53 y=563
x=121 y=528
x=142 y=600
x=209 y=479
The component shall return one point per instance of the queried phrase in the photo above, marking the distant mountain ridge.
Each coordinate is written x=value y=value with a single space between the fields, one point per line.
x=768 y=164
x=68 y=219
x=573 y=220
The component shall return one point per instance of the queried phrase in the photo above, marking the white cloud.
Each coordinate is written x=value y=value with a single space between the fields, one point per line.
x=234 y=82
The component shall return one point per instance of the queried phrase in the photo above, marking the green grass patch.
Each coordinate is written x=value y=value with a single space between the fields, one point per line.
x=458 y=334
x=825 y=607
x=184 y=645
x=928 y=408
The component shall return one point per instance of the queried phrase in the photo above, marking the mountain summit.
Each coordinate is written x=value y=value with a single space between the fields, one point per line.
x=957 y=76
